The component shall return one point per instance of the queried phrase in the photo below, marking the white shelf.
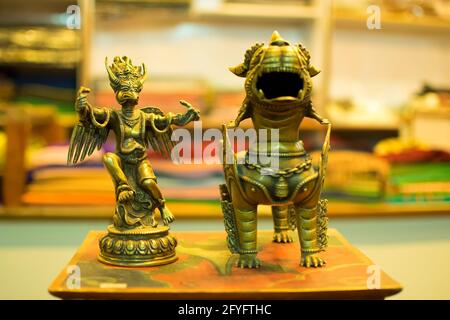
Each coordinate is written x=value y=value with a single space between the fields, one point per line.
x=392 y=22
x=282 y=12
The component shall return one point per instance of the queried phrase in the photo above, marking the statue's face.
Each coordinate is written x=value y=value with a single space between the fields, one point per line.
x=277 y=74
x=126 y=80
x=127 y=92
x=280 y=77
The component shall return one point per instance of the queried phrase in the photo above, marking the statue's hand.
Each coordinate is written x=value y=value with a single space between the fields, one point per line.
x=325 y=121
x=191 y=111
x=81 y=103
x=231 y=124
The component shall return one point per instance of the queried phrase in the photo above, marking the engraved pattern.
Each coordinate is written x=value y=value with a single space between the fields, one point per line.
x=322 y=224
x=229 y=220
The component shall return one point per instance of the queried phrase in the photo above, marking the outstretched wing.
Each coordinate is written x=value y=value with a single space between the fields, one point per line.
x=158 y=139
x=86 y=137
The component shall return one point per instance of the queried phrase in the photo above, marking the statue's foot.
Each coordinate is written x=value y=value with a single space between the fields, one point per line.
x=282 y=237
x=166 y=216
x=248 y=261
x=312 y=260
x=126 y=195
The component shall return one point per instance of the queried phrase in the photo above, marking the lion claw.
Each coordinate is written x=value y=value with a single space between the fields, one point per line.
x=248 y=261
x=282 y=237
x=312 y=261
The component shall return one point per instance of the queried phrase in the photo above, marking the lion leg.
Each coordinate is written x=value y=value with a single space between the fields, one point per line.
x=246 y=223
x=280 y=215
x=308 y=234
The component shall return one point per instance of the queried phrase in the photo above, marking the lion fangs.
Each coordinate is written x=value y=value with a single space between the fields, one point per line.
x=261 y=93
x=302 y=94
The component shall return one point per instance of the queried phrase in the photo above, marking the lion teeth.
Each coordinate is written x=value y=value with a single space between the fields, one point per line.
x=302 y=94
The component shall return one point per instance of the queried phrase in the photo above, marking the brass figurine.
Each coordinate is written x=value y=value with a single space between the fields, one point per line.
x=134 y=238
x=278 y=89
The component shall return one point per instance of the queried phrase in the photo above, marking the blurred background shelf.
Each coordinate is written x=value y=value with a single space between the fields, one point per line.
x=212 y=11
x=213 y=211
x=386 y=92
x=372 y=88
x=406 y=22
x=259 y=11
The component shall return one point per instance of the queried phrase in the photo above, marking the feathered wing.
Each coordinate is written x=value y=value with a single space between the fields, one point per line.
x=86 y=137
x=159 y=140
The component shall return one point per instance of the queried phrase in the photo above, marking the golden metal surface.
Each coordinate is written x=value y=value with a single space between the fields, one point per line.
x=134 y=239
x=278 y=86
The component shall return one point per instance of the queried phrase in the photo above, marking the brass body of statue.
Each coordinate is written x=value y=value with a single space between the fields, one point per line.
x=278 y=89
x=134 y=238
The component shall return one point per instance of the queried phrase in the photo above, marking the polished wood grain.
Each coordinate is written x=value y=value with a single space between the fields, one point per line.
x=206 y=270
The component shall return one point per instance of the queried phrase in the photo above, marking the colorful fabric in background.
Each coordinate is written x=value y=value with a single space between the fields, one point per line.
x=417 y=174
x=420 y=182
x=52 y=182
x=394 y=173
x=55 y=88
x=354 y=176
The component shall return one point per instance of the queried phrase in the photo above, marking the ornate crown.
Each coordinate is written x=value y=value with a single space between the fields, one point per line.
x=122 y=68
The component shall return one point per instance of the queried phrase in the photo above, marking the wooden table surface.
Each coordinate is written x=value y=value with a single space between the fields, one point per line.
x=206 y=270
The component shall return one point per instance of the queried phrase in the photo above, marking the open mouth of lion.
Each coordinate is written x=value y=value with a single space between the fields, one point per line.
x=280 y=86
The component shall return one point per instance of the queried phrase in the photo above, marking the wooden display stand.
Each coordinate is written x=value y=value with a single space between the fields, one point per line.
x=206 y=270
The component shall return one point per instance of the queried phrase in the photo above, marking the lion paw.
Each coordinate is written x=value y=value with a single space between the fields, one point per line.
x=312 y=260
x=248 y=261
x=282 y=237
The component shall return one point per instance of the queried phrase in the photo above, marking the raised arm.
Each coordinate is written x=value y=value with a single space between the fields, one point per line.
x=161 y=122
x=85 y=109
x=90 y=132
